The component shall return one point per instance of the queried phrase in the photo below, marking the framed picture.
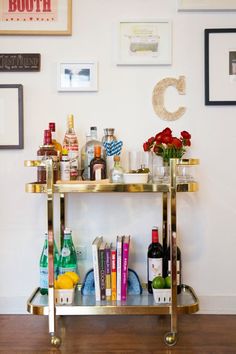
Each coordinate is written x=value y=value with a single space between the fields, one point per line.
x=77 y=76
x=220 y=66
x=48 y=17
x=144 y=42
x=11 y=117
x=206 y=5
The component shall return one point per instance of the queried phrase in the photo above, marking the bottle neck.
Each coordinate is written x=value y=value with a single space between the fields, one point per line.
x=155 y=236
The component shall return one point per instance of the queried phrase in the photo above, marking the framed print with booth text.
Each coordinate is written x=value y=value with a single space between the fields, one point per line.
x=44 y=17
x=220 y=66
x=144 y=42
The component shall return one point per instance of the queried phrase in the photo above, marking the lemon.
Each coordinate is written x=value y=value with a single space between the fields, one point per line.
x=168 y=282
x=158 y=282
x=56 y=284
x=64 y=282
x=74 y=277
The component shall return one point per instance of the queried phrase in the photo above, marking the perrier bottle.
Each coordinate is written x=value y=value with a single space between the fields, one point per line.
x=44 y=265
x=68 y=258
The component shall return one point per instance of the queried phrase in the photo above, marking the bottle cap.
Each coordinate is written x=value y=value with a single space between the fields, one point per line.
x=93 y=128
x=67 y=230
x=47 y=137
x=52 y=126
x=97 y=150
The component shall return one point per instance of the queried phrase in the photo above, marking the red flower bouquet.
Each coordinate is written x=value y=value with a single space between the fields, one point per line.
x=168 y=146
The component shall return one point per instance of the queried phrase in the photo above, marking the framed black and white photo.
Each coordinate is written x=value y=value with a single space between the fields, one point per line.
x=11 y=117
x=77 y=76
x=220 y=66
x=144 y=42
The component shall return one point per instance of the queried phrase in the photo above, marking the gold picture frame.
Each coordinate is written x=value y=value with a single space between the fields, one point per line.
x=53 y=17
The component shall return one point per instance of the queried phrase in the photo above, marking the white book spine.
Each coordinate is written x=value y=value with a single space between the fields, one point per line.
x=119 y=263
x=95 y=247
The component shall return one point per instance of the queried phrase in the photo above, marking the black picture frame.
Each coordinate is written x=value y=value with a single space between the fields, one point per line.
x=11 y=109
x=208 y=36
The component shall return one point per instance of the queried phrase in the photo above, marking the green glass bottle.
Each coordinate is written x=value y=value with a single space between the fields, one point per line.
x=44 y=265
x=68 y=258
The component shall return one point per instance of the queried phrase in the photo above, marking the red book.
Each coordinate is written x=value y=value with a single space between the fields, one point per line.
x=113 y=273
x=124 y=267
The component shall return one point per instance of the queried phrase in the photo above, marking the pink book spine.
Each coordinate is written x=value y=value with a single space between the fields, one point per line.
x=124 y=270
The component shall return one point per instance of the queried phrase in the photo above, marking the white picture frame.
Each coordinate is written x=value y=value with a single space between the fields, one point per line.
x=144 y=42
x=206 y=5
x=77 y=76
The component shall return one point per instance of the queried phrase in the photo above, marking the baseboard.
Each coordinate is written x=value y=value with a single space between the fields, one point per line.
x=207 y=305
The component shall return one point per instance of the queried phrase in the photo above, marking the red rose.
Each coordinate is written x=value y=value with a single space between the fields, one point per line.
x=185 y=134
x=167 y=131
x=166 y=139
x=158 y=138
x=151 y=140
x=177 y=143
x=187 y=142
x=146 y=146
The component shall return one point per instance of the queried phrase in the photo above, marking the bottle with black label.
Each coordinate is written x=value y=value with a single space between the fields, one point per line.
x=154 y=258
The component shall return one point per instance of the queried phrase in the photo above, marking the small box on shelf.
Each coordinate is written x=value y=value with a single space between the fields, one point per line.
x=64 y=296
x=162 y=296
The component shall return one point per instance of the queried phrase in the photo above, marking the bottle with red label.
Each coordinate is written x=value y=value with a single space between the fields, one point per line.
x=45 y=152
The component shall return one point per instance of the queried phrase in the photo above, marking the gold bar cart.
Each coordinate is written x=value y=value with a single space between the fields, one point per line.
x=185 y=302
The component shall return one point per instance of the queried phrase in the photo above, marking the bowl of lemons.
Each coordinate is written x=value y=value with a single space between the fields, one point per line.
x=64 y=287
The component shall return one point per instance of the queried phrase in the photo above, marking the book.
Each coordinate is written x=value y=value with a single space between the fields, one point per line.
x=108 y=271
x=102 y=275
x=113 y=272
x=124 y=267
x=118 y=266
x=95 y=246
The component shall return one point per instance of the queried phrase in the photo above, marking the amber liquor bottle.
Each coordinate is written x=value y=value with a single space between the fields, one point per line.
x=57 y=145
x=97 y=165
x=46 y=151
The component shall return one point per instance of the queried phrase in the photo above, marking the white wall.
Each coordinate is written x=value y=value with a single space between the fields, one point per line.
x=206 y=219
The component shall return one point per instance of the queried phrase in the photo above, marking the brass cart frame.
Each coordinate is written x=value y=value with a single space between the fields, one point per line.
x=186 y=302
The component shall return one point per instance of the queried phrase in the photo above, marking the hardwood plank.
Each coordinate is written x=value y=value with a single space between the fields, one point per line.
x=197 y=334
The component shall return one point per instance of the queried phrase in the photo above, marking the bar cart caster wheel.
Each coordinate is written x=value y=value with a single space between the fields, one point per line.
x=55 y=341
x=170 y=338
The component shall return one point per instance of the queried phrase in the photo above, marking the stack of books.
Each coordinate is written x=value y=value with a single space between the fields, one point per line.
x=110 y=265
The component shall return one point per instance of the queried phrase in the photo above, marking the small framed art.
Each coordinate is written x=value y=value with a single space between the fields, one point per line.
x=77 y=76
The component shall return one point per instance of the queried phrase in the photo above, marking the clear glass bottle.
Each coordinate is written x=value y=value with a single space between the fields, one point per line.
x=65 y=166
x=57 y=145
x=45 y=151
x=87 y=153
x=154 y=258
x=97 y=165
x=117 y=173
x=43 y=263
x=71 y=143
x=68 y=258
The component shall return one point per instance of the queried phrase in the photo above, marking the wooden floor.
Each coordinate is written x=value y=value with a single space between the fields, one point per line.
x=198 y=334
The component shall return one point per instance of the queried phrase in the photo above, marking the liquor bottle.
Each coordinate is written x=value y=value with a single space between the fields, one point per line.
x=45 y=151
x=117 y=173
x=72 y=145
x=65 y=166
x=97 y=165
x=57 y=145
x=44 y=265
x=109 y=135
x=87 y=153
x=154 y=258
x=68 y=258
x=167 y=266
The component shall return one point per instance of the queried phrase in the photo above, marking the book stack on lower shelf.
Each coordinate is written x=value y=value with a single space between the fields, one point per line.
x=110 y=266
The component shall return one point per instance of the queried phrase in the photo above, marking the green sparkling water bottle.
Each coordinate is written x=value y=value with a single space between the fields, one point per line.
x=68 y=258
x=44 y=265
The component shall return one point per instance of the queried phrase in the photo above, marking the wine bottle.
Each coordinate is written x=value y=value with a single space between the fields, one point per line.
x=154 y=258
x=72 y=145
x=68 y=258
x=167 y=266
x=97 y=165
x=44 y=265
x=57 y=145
